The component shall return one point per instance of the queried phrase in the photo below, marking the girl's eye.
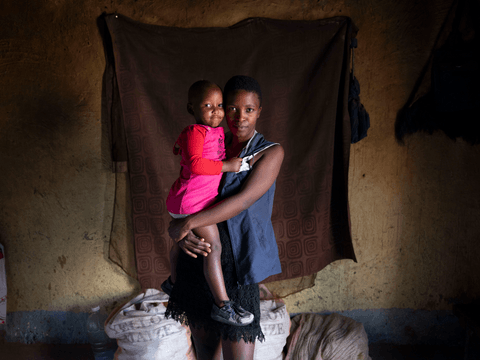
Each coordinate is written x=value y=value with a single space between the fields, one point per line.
x=220 y=105
x=249 y=110
x=208 y=105
x=232 y=108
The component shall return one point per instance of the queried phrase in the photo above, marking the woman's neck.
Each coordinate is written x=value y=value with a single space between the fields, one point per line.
x=235 y=146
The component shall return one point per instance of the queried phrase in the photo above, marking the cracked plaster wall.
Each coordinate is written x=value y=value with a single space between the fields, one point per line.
x=414 y=209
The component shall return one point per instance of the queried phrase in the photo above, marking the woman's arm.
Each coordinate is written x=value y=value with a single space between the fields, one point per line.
x=263 y=175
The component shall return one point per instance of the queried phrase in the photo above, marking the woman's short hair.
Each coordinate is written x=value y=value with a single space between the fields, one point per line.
x=242 y=82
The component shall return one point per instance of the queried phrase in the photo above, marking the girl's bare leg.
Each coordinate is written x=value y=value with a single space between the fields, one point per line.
x=212 y=266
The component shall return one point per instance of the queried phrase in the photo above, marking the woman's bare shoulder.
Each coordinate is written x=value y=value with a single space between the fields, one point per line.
x=274 y=153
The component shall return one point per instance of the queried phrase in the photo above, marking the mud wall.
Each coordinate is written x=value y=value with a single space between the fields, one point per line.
x=414 y=208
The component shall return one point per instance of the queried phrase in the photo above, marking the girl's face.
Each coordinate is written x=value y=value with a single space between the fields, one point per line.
x=242 y=111
x=208 y=108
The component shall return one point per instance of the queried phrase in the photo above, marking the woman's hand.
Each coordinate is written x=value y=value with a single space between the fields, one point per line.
x=187 y=240
x=192 y=245
x=178 y=229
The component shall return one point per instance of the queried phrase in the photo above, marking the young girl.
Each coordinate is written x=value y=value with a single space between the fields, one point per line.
x=202 y=148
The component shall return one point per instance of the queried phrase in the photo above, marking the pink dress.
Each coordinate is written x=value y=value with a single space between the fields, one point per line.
x=200 y=173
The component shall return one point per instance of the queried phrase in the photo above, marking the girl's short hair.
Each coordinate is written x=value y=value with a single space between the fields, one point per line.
x=242 y=82
x=198 y=88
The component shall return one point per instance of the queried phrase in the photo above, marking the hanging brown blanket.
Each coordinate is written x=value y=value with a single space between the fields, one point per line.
x=303 y=69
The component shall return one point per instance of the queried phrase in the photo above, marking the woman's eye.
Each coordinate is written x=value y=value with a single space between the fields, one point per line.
x=249 y=110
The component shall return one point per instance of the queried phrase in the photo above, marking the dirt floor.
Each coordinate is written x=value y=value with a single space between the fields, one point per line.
x=11 y=351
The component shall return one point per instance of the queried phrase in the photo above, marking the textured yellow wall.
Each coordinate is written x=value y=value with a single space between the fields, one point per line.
x=414 y=209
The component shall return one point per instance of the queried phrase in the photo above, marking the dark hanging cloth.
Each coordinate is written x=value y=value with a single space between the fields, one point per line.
x=359 y=118
x=303 y=68
x=445 y=96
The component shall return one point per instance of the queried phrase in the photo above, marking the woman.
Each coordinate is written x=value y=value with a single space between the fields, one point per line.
x=249 y=252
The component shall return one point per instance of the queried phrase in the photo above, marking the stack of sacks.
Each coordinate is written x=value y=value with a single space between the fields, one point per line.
x=326 y=337
x=143 y=332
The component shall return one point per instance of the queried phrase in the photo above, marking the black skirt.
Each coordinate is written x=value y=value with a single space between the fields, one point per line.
x=191 y=300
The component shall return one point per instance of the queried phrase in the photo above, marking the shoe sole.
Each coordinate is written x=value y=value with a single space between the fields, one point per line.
x=222 y=320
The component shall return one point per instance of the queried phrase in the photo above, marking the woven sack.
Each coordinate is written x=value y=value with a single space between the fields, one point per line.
x=143 y=332
x=326 y=337
x=275 y=324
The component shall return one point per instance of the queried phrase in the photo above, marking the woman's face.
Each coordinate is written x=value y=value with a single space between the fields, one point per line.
x=242 y=109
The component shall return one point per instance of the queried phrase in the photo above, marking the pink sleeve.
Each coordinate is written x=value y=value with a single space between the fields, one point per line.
x=195 y=138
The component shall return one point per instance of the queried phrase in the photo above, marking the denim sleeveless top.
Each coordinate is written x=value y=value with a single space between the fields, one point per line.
x=251 y=232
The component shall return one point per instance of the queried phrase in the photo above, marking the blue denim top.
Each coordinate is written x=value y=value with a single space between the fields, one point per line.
x=251 y=232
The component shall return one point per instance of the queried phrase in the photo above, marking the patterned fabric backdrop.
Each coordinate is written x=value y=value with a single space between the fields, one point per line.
x=303 y=69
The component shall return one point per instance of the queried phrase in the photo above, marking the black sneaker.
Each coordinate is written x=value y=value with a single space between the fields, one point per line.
x=240 y=310
x=167 y=286
x=231 y=314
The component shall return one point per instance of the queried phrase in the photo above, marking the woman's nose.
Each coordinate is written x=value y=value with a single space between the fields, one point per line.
x=242 y=114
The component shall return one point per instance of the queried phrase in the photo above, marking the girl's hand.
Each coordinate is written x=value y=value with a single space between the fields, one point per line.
x=232 y=165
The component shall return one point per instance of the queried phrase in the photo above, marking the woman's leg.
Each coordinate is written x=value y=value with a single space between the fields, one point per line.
x=174 y=252
x=207 y=344
x=212 y=266
x=237 y=350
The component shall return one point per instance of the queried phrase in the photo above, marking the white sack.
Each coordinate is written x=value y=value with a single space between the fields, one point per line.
x=326 y=337
x=143 y=333
x=275 y=324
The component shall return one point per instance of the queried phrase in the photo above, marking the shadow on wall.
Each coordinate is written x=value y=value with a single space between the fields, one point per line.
x=37 y=142
x=45 y=123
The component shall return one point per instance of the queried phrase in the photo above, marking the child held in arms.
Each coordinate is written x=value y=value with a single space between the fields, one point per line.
x=202 y=147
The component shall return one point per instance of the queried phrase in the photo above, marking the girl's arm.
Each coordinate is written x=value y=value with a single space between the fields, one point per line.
x=195 y=138
x=198 y=164
x=263 y=175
